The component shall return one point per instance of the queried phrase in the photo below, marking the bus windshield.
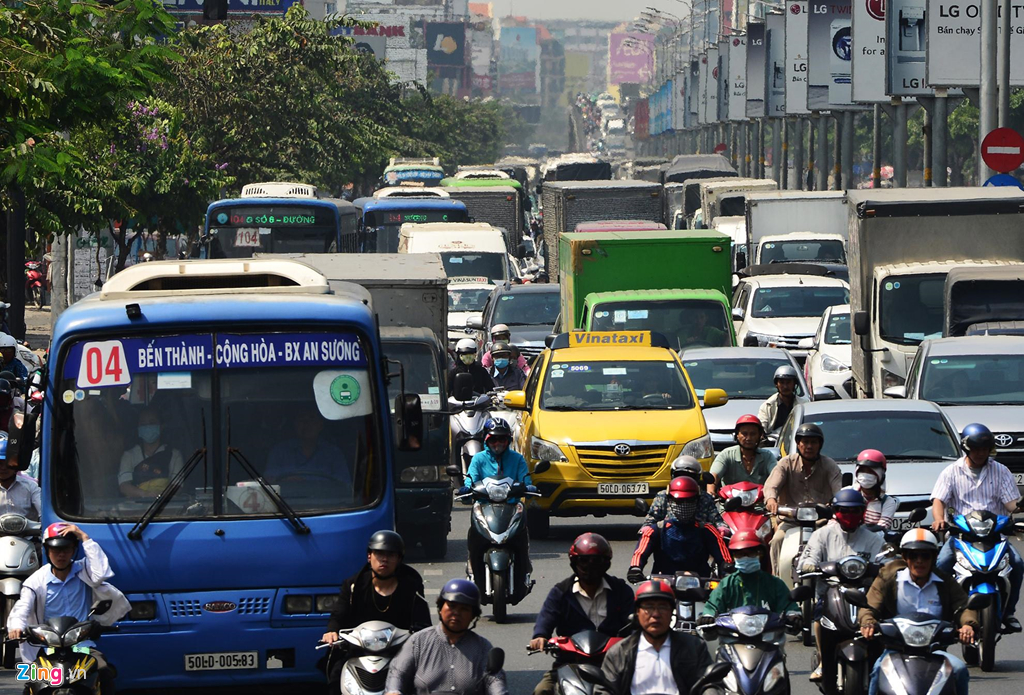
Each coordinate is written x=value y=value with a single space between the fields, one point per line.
x=242 y=230
x=293 y=411
x=385 y=225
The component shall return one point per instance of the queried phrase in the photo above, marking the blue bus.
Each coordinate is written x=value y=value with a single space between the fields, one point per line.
x=382 y=218
x=240 y=227
x=231 y=524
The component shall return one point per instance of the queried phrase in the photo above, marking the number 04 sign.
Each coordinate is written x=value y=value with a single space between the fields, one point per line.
x=103 y=364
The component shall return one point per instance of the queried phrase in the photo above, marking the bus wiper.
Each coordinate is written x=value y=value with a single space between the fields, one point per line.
x=278 y=501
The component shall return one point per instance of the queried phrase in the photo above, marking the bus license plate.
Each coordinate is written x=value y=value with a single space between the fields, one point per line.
x=221 y=661
x=630 y=489
x=247 y=237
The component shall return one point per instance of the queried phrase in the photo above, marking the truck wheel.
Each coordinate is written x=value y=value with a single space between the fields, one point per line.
x=500 y=602
x=538 y=523
x=435 y=544
x=989 y=631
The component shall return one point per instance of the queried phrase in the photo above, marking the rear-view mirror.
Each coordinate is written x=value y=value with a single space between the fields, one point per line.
x=895 y=392
x=801 y=593
x=824 y=393
x=861 y=323
x=515 y=400
x=805 y=344
x=475 y=322
x=462 y=386
x=737 y=313
x=713 y=398
x=640 y=507
x=495 y=660
x=542 y=467
x=409 y=421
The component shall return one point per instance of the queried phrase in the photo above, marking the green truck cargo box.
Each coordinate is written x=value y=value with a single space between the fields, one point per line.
x=590 y=262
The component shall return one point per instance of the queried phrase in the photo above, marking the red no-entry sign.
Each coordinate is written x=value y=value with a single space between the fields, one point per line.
x=1003 y=150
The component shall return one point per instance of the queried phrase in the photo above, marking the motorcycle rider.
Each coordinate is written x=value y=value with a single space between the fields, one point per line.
x=499 y=460
x=590 y=599
x=707 y=510
x=450 y=657
x=844 y=535
x=977 y=482
x=679 y=543
x=749 y=585
x=803 y=476
x=501 y=333
x=869 y=478
x=465 y=351
x=505 y=375
x=774 y=412
x=9 y=357
x=654 y=659
x=385 y=589
x=916 y=585
x=19 y=494
x=745 y=462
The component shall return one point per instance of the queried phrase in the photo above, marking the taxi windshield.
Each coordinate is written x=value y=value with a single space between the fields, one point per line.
x=236 y=412
x=618 y=385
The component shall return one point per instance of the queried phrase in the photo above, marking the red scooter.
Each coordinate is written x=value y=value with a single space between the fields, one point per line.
x=35 y=283
x=743 y=505
x=585 y=647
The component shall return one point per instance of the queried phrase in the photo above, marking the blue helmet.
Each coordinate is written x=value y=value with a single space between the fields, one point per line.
x=460 y=591
x=976 y=435
x=849 y=497
x=3 y=448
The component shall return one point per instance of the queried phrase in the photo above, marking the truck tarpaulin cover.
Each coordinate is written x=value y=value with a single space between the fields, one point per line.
x=983 y=295
x=686 y=167
x=580 y=171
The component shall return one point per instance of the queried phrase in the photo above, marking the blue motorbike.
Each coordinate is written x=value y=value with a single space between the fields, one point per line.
x=982 y=566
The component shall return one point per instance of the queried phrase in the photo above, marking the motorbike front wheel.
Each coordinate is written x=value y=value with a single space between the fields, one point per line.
x=989 y=632
x=807 y=614
x=853 y=680
x=500 y=599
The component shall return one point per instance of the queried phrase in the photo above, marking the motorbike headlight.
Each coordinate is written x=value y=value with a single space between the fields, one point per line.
x=686 y=581
x=750 y=625
x=1003 y=562
x=421 y=474
x=375 y=640
x=962 y=561
x=77 y=634
x=747 y=497
x=830 y=364
x=13 y=524
x=700 y=448
x=730 y=684
x=775 y=675
x=981 y=527
x=853 y=567
x=916 y=634
x=543 y=450
x=765 y=529
x=44 y=636
x=497 y=493
x=806 y=514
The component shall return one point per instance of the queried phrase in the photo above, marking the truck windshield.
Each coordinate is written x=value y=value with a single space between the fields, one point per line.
x=527 y=308
x=742 y=378
x=898 y=435
x=822 y=251
x=984 y=301
x=732 y=206
x=910 y=307
x=468 y=298
x=804 y=301
x=293 y=410
x=973 y=379
x=685 y=322
x=421 y=375
x=837 y=332
x=489 y=265
x=615 y=386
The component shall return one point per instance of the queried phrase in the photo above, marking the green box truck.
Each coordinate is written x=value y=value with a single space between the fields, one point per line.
x=676 y=282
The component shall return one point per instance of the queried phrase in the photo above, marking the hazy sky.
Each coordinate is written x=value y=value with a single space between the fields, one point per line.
x=621 y=10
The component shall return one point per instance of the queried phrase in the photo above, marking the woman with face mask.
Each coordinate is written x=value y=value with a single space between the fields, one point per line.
x=749 y=585
x=869 y=478
x=147 y=467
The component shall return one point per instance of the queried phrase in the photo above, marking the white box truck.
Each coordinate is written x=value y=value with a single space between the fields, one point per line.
x=780 y=213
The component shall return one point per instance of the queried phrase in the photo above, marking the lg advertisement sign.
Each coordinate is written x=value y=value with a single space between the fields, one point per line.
x=905 y=48
x=737 y=108
x=829 y=50
x=756 y=61
x=796 y=58
x=954 y=44
x=868 y=63
x=776 y=75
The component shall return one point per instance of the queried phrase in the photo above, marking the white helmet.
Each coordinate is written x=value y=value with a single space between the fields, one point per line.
x=465 y=346
x=7 y=341
x=686 y=465
x=499 y=328
x=919 y=539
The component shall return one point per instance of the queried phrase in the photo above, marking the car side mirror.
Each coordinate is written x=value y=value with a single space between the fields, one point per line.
x=549 y=339
x=861 y=323
x=542 y=467
x=714 y=398
x=895 y=391
x=805 y=344
x=452 y=470
x=409 y=421
x=475 y=322
x=515 y=400
x=917 y=515
x=824 y=393
x=462 y=386
x=737 y=313
x=640 y=507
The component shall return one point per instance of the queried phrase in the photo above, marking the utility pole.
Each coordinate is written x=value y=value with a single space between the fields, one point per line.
x=1004 y=63
x=822 y=156
x=876 y=147
x=798 y=152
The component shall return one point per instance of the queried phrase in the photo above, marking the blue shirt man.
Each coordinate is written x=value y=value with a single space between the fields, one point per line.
x=307 y=454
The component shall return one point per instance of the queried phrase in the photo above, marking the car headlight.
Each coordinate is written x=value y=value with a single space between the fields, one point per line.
x=776 y=674
x=760 y=340
x=750 y=625
x=700 y=448
x=326 y=603
x=830 y=364
x=297 y=604
x=916 y=634
x=889 y=380
x=543 y=450
x=421 y=474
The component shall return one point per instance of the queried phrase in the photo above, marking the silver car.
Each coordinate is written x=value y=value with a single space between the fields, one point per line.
x=748 y=373
x=917 y=438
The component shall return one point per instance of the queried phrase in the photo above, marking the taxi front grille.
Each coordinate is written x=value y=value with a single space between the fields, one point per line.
x=604 y=462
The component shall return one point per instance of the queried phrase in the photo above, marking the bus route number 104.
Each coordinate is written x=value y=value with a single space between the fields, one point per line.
x=103 y=364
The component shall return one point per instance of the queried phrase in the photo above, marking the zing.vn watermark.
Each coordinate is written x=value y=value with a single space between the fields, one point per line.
x=54 y=676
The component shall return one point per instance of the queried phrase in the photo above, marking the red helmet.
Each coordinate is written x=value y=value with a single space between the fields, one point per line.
x=748 y=420
x=656 y=589
x=744 y=540
x=683 y=488
x=590 y=544
x=872 y=458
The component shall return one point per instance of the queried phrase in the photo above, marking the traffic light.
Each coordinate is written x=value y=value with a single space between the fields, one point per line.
x=215 y=9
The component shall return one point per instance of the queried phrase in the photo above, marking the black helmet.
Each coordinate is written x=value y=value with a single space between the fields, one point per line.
x=500 y=346
x=809 y=429
x=386 y=541
x=496 y=427
x=460 y=591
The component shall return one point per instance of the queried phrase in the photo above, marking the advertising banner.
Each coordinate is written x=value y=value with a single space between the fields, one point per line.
x=819 y=52
x=377 y=45
x=711 y=105
x=796 y=58
x=517 y=66
x=953 y=58
x=630 y=58
x=737 y=106
x=756 y=65
x=775 y=42
x=693 y=93
x=905 y=48
x=868 y=64
x=446 y=43
x=235 y=7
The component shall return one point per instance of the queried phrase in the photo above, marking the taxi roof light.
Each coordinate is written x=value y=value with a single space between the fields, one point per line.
x=574 y=339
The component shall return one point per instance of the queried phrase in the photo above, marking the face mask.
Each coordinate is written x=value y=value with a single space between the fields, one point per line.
x=746 y=565
x=850 y=521
x=149 y=433
x=868 y=480
x=683 y=511
x=501 y=362
x=467 y=359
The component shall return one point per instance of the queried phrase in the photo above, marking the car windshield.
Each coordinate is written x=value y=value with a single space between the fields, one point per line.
x=910 y=307
x=896 y=434
x=488 y=265
x=802 y=301
x=685 y=322
x=740 y=378
x=295 y=410
x=614 y=386
x=527 y=308
x=468 y=298
x=837 y=332
x=822 y=251
x=973 y=379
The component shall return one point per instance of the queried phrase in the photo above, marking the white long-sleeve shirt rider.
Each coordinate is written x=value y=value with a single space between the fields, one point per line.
x=831 y=543
x=85 y=584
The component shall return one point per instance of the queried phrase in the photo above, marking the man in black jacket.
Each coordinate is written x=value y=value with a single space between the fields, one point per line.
x=384 y=589
x=590 y=599
x=655 y=659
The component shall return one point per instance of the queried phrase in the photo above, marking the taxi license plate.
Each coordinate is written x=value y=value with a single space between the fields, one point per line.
x=630 y=489
x=220 y=661
x=1019 y=477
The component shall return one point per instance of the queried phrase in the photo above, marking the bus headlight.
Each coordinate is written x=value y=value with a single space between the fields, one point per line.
x=421 y=474
x=326 y=603
x=297 y=603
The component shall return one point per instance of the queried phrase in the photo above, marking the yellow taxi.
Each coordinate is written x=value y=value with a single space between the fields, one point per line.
x=604 y=414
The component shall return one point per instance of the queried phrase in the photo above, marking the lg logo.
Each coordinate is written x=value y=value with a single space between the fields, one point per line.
x=876 y=8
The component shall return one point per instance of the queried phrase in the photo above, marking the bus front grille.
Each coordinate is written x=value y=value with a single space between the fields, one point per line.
x=184 y=608
x=254 y=605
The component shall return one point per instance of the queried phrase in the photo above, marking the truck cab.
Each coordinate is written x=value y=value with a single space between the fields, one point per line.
x=467 y=249
x=983 y=296
x=729 y=198
x=687 y=318
x=801 y=247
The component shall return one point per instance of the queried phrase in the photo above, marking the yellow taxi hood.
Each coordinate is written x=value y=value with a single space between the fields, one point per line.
x=572 y=427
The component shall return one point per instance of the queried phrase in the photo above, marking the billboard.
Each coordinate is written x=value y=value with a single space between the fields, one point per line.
x=723 y=81
x=868 y=64
x=796 y=58
x=905 y=49
x=235 y=7
x=829 y=46
x=737 y=107
x=775 y=47
x=446 y=43
x=756 y=64
x=953 y=58
x=630 y=57
x=377 y=45
x=641 y=119
x=517 y=66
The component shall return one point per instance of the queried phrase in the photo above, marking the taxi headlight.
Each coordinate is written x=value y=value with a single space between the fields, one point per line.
x=699 y=448
x=543 y=450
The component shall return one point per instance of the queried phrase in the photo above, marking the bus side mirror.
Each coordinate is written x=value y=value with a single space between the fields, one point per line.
x=409 y=421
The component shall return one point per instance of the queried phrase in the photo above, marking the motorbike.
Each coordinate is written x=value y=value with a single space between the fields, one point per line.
x=983 y=567
x=369 y=649
x=585 y=647
x=743 y=510
x=806 y=517
x=35 y=283
x=689 y=589
x=497 y=521
x=467 y=425
x=19 y=558
x=72 y=666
